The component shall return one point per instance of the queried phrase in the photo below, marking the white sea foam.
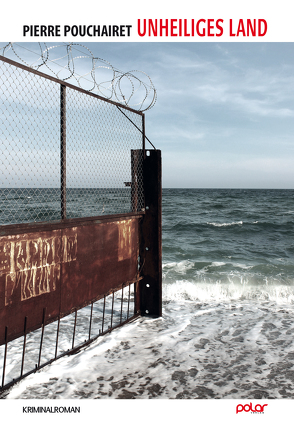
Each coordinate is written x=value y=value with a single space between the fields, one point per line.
x=218 y=263
x=180 y=267
x=225 y=224
x=218 y=349
x=242 y=266
x=182 y=290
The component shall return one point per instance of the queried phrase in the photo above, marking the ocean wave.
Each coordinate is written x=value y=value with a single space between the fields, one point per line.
x=181 y=267
x=280 y=272
x=183 y=290
x=218 y=263
x=225 y=224
x=205 y=228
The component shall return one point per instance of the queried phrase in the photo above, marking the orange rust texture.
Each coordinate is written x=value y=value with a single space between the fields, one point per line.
x=62 y=270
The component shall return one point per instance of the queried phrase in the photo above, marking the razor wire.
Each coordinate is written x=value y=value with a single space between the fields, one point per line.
x=76 y=64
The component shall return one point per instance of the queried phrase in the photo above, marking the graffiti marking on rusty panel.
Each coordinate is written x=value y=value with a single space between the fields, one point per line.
x=5 y=257
x=33 y=282
x=33 y=265
x=125 y=239
x=11 y=284
x=69 y=248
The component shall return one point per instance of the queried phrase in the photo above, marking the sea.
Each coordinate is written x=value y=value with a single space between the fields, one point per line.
x=227 y=329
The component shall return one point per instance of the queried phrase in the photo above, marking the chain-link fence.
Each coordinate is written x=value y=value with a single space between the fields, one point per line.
x=65 y=152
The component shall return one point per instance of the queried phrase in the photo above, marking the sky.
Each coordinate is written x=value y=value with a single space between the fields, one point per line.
x=224 y=115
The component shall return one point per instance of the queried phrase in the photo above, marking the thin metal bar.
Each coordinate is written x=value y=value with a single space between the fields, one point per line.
x=129 y=301
x=103 y=314
x=112 y=310
x=24 y=345
x=90 y=321
x=42 y=335
x=5 y=354
x=122 y=301
x=74 y=331
x=57 y=335
x=136 y=291
x=143 y=132
x=63 y=149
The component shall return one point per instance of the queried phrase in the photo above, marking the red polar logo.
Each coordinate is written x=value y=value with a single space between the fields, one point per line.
x=248 y=407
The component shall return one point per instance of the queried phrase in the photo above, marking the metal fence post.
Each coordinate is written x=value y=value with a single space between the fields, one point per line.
x=149 y=297
x=143 y=135
x=63 y=149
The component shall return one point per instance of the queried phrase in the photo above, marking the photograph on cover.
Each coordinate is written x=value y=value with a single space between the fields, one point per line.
x=90 y=132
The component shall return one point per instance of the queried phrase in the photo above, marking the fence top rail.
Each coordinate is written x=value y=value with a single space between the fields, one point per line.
x=19 y=228
x=64 y=83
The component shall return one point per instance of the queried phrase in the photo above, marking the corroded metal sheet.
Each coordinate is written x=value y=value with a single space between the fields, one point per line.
x=107 y=257
x=63 y=269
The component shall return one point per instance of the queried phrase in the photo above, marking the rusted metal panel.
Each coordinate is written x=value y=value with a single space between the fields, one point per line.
x=107 y=257
x=149 y=294
x=29 y=281
x=62 y=270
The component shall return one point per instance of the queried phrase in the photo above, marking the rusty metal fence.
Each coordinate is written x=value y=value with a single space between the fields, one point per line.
x=80 y=219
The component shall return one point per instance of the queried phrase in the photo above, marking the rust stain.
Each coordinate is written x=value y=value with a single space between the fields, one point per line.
x=125 y=239
x=33 y=264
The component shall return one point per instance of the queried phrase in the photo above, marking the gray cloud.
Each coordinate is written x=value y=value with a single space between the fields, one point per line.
x=224 y=113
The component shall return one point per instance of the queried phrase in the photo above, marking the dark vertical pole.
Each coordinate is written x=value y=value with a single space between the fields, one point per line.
x=42 y=336
x=63 y=150
x=5 y=355
x=57 y=335
x=24 y=345
x=122 y=301
x=90 y=326
x=112 y=310
x=143 y=133
x=103 y=314
x=74 y=330
x=129 y=301
x=149 y=299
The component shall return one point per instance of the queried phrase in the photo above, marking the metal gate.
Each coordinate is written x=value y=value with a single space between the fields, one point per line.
x=80 y=213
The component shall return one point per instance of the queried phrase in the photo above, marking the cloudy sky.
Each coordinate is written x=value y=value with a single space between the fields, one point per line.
x=224 y=115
